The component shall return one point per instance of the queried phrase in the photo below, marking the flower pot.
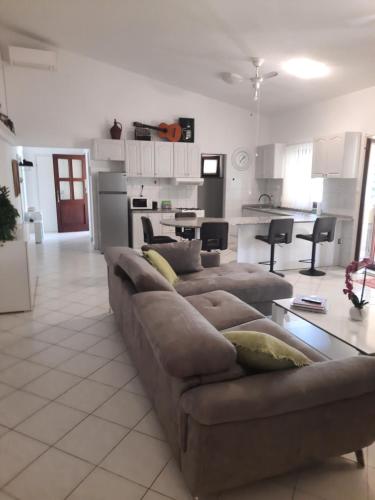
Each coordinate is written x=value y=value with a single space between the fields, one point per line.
x=357 y=314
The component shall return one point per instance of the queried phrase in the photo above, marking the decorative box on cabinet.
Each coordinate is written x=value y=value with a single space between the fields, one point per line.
x=269 y=161
x=337 y=155
x=108 y=149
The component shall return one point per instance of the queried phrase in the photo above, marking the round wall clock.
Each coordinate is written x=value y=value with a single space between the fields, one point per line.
x=241 y=159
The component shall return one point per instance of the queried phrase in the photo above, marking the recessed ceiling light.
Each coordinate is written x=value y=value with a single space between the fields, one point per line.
x=305 y=68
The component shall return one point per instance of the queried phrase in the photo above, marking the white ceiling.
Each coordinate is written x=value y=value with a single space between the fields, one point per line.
x=190 y=42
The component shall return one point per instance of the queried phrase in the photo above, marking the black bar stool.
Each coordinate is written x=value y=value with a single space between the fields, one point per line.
x=185 y=232
x=324 y=231
x=148 y=233
x=280 y=231
x=214 y=236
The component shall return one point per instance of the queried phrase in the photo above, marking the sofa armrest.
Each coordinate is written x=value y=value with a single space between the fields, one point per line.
x=275 y=393
x=210 y=259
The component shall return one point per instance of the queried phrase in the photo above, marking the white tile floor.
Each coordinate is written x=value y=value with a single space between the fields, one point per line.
x=75 y=422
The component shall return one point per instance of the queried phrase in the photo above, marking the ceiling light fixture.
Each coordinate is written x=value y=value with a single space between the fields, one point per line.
x=305 y=68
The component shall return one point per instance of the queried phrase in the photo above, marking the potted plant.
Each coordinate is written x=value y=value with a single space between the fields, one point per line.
x=357 y=311
x=8 y=216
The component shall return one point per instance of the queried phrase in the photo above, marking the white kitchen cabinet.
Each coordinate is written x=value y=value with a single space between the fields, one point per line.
x=269 y=161
x=337 y=155
x=108 y=149
x=163 y=159
x=139 y=161
x=193 y=160
x=180 y=160
x=186 y=160
x=146 y=158
x=132 y=163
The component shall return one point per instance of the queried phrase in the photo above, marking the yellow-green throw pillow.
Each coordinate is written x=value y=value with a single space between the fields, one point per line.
x=263 y=352
x=162 y=265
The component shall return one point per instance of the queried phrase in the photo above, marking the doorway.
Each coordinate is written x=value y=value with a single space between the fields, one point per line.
x=365 y=244
x=211 y=193
x=71 y=192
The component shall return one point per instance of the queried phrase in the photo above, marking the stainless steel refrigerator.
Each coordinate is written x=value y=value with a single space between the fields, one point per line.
x=113 y=210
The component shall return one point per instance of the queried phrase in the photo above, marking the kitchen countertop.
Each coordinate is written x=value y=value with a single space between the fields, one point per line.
x=298 y=215
x=156 y=211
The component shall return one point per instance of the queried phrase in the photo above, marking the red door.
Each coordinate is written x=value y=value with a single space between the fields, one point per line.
x=71 y=195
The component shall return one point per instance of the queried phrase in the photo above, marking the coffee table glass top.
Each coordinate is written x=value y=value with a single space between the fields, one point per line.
x=358 y=334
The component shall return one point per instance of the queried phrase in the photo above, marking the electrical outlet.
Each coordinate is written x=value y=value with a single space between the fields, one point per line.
x=339 y=241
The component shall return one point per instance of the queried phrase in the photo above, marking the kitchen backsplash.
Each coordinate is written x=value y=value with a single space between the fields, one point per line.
x=163 y=189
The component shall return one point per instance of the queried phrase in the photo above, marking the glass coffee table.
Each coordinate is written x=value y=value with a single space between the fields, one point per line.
x=333 y=333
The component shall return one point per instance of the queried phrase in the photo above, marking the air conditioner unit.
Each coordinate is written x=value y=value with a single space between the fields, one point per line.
x=33 y=58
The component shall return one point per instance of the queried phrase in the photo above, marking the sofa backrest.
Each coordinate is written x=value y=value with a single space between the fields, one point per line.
x=144 y=277
x=185 y=343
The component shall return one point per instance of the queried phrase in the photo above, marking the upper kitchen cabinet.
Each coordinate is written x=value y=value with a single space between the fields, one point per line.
x=269 y=161
x=163 y=159
x=108 y=149
x=186 y=160
x=337 y=155
x=140 y=158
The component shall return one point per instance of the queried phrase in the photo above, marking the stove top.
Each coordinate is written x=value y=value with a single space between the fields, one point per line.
x=187 y=209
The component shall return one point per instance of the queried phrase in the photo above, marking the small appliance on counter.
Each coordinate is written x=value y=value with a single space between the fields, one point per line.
x=154 y=205
x=140 y=203
x=166 y=204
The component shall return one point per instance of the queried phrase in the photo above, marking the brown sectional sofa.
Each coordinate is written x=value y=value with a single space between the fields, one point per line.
x=228 y=427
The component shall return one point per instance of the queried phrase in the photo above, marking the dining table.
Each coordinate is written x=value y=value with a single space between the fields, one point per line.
x=193 y=223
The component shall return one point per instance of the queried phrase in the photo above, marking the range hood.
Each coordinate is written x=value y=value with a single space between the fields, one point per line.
x=185 y=181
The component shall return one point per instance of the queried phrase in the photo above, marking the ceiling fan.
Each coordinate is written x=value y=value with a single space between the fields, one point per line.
x=256 y=80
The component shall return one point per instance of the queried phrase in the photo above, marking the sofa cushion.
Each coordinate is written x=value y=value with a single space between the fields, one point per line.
x=161 y=265
x=267 y=326
x=222 y=309
x=144 y=277
x=262 y=352
x=248 y=282
x=183 y=256
x=185 y=343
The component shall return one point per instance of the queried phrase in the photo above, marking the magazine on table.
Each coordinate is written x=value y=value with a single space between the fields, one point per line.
x=312 y=303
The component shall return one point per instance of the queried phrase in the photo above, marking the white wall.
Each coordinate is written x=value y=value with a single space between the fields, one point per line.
x=78 y=102
x=350 y=112
x=7 y=154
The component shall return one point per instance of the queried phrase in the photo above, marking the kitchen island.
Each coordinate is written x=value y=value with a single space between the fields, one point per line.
x=337 y=253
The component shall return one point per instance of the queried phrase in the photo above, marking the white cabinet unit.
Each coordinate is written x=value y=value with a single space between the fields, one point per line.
x=269 y=162
x=17 y=273
x=108 y=149
x=139 y=158
x=186 y=160
x=163 y=159
x=337 y=155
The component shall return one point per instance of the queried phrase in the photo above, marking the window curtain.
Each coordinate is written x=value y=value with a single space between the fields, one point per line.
x=298 y=185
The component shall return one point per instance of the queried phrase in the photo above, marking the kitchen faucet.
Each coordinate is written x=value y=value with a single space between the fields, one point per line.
x=268 y=196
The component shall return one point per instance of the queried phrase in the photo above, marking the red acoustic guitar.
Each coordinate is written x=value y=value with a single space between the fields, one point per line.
x=170 y=132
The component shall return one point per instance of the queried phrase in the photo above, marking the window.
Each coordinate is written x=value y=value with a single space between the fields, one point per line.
x=211 y=166
x=299 y=189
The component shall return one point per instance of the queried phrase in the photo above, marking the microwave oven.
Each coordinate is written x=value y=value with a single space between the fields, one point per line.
x=140 y=203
